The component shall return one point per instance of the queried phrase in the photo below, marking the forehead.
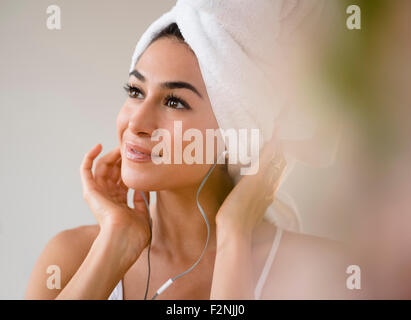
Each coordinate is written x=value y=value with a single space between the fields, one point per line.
x=169 y=60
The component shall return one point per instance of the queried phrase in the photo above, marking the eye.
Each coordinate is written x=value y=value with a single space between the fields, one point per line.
x=173 y=101
x=132 y=91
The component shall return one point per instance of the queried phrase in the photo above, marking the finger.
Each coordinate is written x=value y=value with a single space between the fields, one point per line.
x=86 y=166
x=274 y=175
x=272 y=153
x=115 y=171
x=105 y=163
x=272 y=164
x=272 y=144
x=111 y=157
x=120 y=183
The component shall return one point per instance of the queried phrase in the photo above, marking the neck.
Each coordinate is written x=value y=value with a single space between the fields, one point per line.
x=179 y=228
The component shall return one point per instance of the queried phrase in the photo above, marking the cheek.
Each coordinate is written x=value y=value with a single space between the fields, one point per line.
x=209 y=144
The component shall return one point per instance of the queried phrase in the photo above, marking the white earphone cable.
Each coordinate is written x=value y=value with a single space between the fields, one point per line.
x=171 y=280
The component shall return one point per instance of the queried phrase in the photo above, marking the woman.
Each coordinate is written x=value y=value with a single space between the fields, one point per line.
x=113 y=255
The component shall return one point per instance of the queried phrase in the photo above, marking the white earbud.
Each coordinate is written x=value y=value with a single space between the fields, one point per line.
x=222 y=155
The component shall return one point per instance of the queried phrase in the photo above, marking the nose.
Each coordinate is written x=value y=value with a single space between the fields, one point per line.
x=142 y=120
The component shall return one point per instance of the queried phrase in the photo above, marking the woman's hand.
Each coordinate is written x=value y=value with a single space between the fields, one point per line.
x=236 y=220
x=106 y=195
x=245 y=206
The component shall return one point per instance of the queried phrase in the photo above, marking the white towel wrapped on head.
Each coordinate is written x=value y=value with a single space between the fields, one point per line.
x=242 y=47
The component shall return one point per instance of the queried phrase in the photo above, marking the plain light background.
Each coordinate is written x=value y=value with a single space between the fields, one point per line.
x=60 y=92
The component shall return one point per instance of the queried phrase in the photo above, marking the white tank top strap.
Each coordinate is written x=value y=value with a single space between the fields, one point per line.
x=267 y=266
x=117 y=293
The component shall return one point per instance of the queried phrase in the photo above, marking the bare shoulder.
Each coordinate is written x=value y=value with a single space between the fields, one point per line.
x=302 y=246
x=64 y=253
x=309 y=267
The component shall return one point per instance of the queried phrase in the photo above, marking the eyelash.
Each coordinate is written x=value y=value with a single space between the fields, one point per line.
x=171 y=96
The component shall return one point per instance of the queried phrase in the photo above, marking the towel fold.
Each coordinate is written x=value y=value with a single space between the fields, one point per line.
x=243 y=47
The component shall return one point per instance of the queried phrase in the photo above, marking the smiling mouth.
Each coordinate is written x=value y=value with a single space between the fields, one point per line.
x=137 y=154
x=135 y=151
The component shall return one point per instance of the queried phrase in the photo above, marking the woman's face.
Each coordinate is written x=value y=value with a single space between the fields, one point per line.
x=152 y=105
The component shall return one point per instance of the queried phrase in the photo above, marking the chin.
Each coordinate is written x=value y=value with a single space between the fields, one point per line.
x=142 y=178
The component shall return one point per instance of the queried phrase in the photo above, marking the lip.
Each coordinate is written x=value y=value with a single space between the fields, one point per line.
x=136 y=153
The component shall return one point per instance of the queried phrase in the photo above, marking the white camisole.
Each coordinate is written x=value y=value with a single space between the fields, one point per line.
x=117 y=293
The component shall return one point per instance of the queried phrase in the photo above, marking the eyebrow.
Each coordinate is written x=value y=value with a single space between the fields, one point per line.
x=169 y=84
